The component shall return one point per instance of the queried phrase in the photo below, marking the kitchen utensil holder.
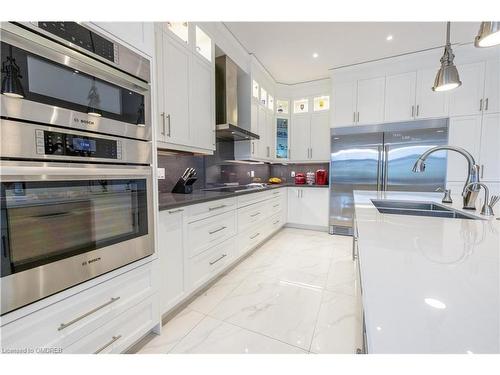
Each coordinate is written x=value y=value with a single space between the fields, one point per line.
x=184 y=186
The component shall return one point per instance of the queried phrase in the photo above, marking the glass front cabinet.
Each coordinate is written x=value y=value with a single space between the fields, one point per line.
x=282 y=129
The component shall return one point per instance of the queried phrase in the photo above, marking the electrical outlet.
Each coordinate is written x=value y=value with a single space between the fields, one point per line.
x=160 y=173
x=292 y=174
x=252 y=173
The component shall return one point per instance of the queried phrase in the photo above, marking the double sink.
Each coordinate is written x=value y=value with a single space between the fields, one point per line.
x=419 y=209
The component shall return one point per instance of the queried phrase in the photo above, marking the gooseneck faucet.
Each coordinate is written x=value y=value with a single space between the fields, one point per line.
x=469 y=195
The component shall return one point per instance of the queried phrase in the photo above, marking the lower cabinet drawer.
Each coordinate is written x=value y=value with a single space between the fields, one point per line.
x=249 y=215
x=122 y=332
x=276 y=221
x=207 y=264
x=251 y=238
x=65 y=322
x=205 y=233
x=275 y=205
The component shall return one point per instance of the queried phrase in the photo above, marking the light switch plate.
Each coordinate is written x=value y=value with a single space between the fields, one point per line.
x=160 y=173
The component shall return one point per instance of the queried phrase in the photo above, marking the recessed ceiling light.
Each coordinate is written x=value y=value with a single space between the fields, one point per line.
x=315 y=55
x=388 y=37
x=435 y=303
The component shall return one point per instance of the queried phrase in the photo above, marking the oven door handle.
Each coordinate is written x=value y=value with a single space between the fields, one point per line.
x=70 y=170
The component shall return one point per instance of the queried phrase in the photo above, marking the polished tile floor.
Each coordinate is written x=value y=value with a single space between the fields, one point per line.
x=295 y=294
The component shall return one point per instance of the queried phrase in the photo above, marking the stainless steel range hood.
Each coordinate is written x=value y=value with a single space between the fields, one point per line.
x=226 y=102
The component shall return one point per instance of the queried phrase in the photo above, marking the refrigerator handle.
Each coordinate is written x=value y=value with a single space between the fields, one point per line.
x=379 y=168
x=386 y=167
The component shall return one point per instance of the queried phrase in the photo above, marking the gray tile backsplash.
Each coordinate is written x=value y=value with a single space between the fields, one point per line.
x=212 y=173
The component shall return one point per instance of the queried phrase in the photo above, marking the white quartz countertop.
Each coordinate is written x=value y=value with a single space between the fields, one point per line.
x=429 y=285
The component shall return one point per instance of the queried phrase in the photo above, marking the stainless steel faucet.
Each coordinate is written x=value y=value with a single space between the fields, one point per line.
x=469 y=195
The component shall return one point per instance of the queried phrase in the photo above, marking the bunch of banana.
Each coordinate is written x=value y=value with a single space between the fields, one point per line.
x=275 y=180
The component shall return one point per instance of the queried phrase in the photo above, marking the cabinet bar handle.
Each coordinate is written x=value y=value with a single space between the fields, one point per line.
x=276 y=205
x=256 y=214
x=481 y=104
x=358 y=118
x=216 y=207
x=255 y=235
x=163 y=123
x=169 y=128
x=311 y=153
x=354 y=117
x=418 y=109
x=276 y=222
x=115 y=338
x=486 y=104
x=276 y=192
x=482 y=170
x=65 y=325
x=175 y=211
x=412 y=111
x=253 y=148
x=217 y=230
x=215 y=261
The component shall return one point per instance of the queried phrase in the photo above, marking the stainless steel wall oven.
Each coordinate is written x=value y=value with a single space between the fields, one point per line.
x=76 y=177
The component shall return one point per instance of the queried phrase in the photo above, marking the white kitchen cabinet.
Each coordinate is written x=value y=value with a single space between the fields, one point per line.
x=370 y=101
x=202 y=106
x=186 y=103
x=492 y=87
x=262 y=143
x=429 y=103
x=468 y=98
x=400 y=97
x=489 y=157
x=300 y=131
x=170 y=257
x=344 y=104
x=139 y=35
x=173 y=95
x=465 y=132
x=308 y=206
x=270 y=135
x=320 y=136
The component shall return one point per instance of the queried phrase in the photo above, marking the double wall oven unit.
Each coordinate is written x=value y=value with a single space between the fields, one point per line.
x=76 y=154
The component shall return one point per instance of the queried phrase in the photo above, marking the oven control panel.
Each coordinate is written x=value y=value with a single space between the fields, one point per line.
x=65 y=144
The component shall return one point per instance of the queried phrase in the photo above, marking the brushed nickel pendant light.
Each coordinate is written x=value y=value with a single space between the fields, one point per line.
x=488 y=34
x=447 y=77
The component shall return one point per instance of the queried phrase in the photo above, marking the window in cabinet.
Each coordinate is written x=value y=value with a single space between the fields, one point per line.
x=263 y=96
x=321 y=103
x=181 y=29
x=282 y=138
x=270 y=102
x=255 y=89
x=301 y=106
x=203 y=44
x=282 y=107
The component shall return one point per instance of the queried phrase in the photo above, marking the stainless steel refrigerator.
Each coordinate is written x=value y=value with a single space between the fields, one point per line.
x=380 y=158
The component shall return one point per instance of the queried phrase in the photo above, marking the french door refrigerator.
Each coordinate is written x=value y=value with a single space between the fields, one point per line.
x=380 y=158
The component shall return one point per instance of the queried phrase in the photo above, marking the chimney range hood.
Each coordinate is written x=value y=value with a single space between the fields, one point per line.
x=226 y=102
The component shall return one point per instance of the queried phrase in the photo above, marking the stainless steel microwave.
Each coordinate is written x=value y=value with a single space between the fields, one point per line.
x=60 y=85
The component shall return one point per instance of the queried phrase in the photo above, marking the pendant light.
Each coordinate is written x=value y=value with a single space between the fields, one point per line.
x=447 y=76
x=488 y=34
x=11 y=85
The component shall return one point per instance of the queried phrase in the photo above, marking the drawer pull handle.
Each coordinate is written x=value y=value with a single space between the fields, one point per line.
x=276 y=222
x=220 y=258
x=276 y=205
x=65 y=325
x=276 y=192
x=254 y=236
x=175 y=211
x=216 y=207
x=255 y=214
x=217 y=230
x=115 y=338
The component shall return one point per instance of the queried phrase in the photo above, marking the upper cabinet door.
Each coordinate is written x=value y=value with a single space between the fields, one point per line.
x=270 y=136
x=463 y=132
x=468 y=98
x=429 y=103
x=320 y=136
x=139 y=35
x=492 y=87
x=490 y=150
x=300 y=132
x=262 y=143
x=400 y=97
x=201 y=103
x=344 y=104
x=370 y=108
x=175 y=120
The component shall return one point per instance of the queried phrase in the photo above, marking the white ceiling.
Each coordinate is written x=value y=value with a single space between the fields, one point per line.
x=286 y=48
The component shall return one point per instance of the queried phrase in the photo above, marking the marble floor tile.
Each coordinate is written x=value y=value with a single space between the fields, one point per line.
x=172 y=332
x=341 y=272
x=338 y=329
x=209 y=299
x=213 y=336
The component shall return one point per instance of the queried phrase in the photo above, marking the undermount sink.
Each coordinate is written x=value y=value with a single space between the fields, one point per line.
x=419 y=209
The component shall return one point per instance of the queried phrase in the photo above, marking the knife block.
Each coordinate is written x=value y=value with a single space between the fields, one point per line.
x=184 y=186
